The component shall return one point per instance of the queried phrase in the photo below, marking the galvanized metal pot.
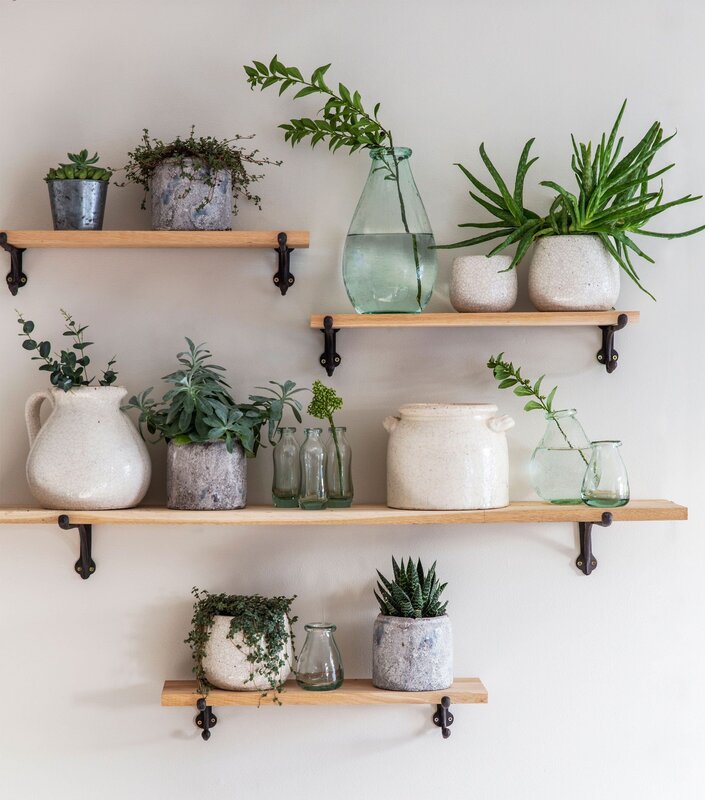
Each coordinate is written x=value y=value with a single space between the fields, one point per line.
x=205 y=477
x=77 y=205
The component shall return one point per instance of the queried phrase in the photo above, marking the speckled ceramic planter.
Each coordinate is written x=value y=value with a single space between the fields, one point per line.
x=183 y=200
x=227 y=667
x=205 y=477
x=412 y=655
x=573 y=273
x=479 y=283
x=88 y=454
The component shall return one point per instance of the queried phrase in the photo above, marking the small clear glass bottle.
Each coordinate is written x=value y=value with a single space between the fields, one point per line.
x=312 y=457
x=559 y=462
x=287 y=470
x=320 y=667
x=339 y=485
x=606 y=484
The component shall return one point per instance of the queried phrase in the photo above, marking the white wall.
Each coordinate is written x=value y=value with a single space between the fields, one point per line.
x=595 y=684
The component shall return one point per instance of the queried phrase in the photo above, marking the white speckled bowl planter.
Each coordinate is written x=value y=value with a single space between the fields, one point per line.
x=479 y=283
x=227 y=667
x=412 y=655
x=573 y=273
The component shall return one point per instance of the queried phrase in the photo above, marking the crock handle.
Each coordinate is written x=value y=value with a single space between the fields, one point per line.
x=500 y=424
x=390 y=423
x=31 y=413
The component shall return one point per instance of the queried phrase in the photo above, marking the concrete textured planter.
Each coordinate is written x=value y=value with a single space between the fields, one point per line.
x=227 y=667
x=478 y=283
x=412 y=655
x=205 y=477
x=77 y=205
x=573 y=273
x=183 y=201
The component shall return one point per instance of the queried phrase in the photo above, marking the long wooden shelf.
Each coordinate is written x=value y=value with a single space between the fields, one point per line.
x=353 y=692
x=96 y=239
x=518 y=512
x=476 y=320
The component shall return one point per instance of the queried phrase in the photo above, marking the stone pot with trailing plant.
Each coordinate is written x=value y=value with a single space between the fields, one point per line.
x=209 y=435
x=194 y=182
x=77 y=193
x=87 y=455
x=586 y=237
x=412 y=644
x=389 y=260
x=241 y=643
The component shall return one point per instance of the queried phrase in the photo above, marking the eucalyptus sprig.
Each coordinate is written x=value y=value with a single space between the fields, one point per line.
x=323 y=405
x=263 y=624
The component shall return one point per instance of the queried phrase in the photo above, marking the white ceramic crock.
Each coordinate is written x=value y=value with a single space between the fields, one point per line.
x=447 y=456
x=480 y=283
x=573 y=273
x=88 y=454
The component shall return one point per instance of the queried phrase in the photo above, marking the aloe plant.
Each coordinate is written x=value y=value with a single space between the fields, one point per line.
x=412 y=593
x=614 y=199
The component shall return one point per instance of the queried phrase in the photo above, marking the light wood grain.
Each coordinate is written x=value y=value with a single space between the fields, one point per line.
x=353 y=692
x=519 y=512
x=224 y=239
x=479 y=320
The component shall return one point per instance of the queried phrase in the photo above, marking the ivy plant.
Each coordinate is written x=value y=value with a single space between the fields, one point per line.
x=412 y=592
x=200 y=408
x=67 y=368
x=263 y=624
x=615 y=199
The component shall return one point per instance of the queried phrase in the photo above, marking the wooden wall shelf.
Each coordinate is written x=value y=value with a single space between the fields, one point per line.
x=353 y=692
x=16 y=242
x=607 y=321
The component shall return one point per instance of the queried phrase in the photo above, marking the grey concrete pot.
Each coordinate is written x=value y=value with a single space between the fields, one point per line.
x=205 y=477
x=412 y=655
x=183 y=201
x=77 y=205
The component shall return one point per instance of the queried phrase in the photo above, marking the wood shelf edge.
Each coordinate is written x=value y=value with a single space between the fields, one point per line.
x=147 y=239
x=454 y=319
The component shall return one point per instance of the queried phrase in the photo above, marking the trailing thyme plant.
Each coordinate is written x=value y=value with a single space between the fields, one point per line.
x=324 y=404
x=80 y=167
x=193 y=153
x=67 y=369
x=614 y=199
x=200 y=408
x=510 y=377
x=263 y=624
x=412 y=593
x=342 y=122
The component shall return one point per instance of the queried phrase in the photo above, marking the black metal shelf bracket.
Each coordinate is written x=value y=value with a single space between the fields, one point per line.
x=205 y=719
x=329 y=358
x=85 y=566
x=586 y=561
x=608 y=355
x=15 y=277
x=443 y=718
x=283 y=279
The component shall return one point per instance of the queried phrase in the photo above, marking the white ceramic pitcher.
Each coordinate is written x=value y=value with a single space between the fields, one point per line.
x=87 y=455
x=447 y=457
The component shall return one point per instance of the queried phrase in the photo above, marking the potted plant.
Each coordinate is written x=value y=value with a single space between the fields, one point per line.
x=389 y=264
x=87 y=455
x=77 y=193
x=240 y=642
x=338 y=475
x=208 y=434
x=194 y=182
x=585 y=237
x=412 y=645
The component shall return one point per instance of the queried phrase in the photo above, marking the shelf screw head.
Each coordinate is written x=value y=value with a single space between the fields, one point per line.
x=579 y=563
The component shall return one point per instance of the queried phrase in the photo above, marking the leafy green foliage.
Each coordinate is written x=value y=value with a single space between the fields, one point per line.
x=510 y=377
x=262 y=622
x=614 y=201
x=200 y=408
x=324 y=404
x=342 y=122
x=412 y=593
x=192 y=154
x=66 y=369
x=81 y=167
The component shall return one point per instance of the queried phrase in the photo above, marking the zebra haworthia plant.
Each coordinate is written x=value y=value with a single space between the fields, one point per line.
x=412 y=593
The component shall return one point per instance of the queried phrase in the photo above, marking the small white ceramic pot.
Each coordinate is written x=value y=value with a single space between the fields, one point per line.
x=447 y=457
x=226 y=664
x=573 y=273
x=478 y=283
